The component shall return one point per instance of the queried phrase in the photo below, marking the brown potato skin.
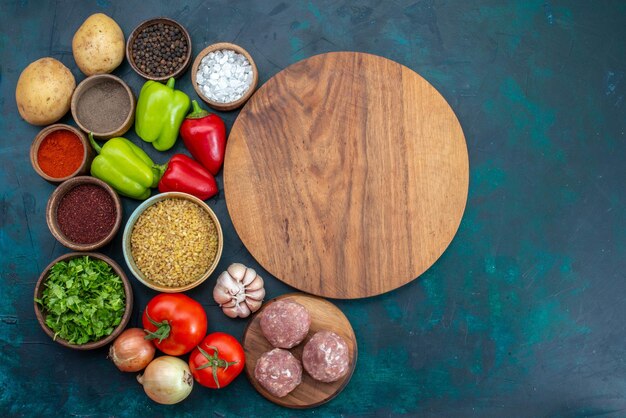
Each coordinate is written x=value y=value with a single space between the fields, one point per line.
x=98 y=45
x=44 y=91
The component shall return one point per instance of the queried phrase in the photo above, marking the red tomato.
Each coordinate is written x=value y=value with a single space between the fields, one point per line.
x=217 y=361
x=175 y=323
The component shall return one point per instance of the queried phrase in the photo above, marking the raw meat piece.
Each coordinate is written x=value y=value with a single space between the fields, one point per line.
x=278 y=371
x=326 y=357
x=285 y=324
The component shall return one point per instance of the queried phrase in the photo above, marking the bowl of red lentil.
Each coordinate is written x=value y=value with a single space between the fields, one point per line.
x=60 y=152
x=172 y=242
x=84 y=213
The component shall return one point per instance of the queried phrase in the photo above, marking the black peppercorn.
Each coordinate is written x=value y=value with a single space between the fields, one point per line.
x=159 y=49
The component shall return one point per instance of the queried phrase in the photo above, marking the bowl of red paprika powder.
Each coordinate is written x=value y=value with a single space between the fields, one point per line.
x=84 y=213
x=60 y=152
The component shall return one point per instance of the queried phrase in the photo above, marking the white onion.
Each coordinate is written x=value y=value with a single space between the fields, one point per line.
x=131 y=351
x=167 y=380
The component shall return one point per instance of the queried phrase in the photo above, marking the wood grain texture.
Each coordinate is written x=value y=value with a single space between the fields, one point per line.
x=324 y=316
x=540 y=91
x=346 y=175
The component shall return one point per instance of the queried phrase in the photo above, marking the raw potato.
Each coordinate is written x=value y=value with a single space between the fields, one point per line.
x=44 y=91
x=98 y=45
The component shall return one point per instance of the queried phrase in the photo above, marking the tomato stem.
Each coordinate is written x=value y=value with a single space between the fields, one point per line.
x=214 y=362
x=162 y=331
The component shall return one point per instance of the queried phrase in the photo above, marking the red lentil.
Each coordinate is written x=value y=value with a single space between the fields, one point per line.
x=86 y=214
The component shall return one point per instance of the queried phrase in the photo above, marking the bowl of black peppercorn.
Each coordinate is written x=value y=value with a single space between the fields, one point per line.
x=158 y=49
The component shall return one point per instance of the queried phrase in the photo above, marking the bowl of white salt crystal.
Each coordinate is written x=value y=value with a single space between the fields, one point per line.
x=224 y=75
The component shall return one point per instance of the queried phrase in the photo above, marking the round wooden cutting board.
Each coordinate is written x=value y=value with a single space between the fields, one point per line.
x=346 y=175
x=324 y=316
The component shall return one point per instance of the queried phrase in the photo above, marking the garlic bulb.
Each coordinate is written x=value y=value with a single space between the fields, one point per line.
x=239 y=291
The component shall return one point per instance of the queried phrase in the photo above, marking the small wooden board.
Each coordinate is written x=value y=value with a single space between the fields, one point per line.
x=346 y=175
x=324 y=316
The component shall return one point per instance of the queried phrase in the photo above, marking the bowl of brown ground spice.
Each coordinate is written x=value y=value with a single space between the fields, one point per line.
x=172 y=242
x=84 y=213
x=105 y=105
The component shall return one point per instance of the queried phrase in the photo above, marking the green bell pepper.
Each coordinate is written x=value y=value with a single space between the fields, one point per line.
x=125 y=167
x=160 y=112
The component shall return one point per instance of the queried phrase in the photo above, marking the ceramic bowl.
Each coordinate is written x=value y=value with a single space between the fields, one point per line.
x=217 y=105
x=88 y=153
x=142 y=26
x=128 y=256
x=91 y=82
x=53 y=204
x=41 y=316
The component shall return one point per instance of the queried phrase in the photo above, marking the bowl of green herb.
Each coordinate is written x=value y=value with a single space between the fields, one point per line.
x=83 y=300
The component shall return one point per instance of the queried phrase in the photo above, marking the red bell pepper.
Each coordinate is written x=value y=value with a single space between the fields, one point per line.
x=204 y=135
x=183 y=174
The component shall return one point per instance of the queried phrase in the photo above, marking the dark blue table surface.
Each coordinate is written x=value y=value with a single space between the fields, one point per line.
x=524 y=315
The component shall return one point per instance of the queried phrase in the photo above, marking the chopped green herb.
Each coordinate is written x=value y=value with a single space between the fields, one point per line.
x=84 y=300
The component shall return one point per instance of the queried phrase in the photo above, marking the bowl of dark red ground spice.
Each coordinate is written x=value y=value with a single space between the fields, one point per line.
x=84 y=213
x=158 y=49
x=105 y=105
x=60 y=152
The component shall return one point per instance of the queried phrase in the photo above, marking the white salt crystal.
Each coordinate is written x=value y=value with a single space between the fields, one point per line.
x=224 y=76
